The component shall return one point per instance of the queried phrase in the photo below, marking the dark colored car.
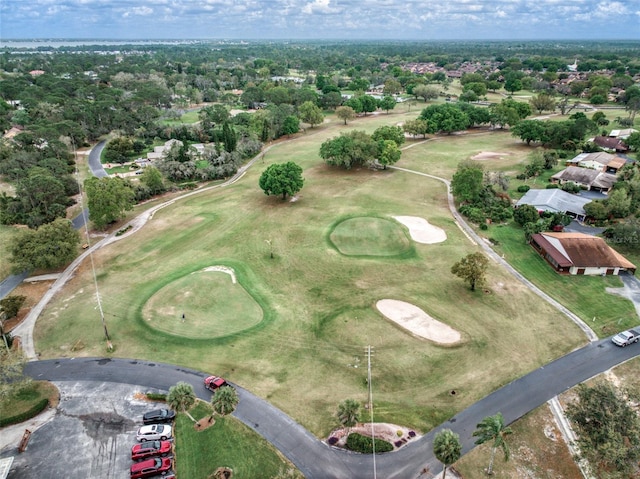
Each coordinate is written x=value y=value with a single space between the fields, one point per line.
x=151 y=467
x=158 y=416
x=149 y=449
x=214 y=382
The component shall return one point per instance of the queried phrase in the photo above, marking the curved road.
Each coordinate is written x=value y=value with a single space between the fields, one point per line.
x=316 y=459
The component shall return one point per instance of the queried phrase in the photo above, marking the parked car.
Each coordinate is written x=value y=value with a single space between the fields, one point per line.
x=154 y=432
x=214 y=382
x=158 y=416
x=147 y=449
x=626 y=337
x=151 y=467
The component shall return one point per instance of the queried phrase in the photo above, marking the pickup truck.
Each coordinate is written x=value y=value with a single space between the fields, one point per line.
x=626 y=337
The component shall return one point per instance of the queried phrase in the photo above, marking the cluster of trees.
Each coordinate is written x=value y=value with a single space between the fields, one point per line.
x=608 y=429
x=451 y=117
x=622 y=202
x=481 y=195
x=567 y=134
x=41 y=172
x=357 y=148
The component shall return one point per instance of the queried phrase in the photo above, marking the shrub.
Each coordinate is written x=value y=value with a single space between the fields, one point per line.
x=523 y=188
x=484 y=227
x=412 y=434
x=552 y=186
x=156 y=396
x=332 y=441
x=33 y=411
x=359 y=443
x=11 y=305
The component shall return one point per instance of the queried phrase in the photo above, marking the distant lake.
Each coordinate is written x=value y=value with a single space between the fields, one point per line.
x=56 y=43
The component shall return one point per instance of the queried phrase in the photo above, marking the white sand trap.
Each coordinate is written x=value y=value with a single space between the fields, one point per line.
x=418 y=322
x=421 y=230
x=223 y=269
x=489 y=155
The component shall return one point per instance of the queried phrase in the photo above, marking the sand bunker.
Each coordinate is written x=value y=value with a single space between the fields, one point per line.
x=421 y=230
x=418 y=322
x=223 y=269
x=489 y=155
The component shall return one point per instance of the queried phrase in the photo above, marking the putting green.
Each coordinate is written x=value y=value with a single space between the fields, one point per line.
x=208 y=303
x=370 y=236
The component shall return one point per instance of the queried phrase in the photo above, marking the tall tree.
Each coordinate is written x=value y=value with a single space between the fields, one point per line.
x=182 y=397
x=345 y=113
x=472 y=268
x=12 y=378
x=282 y=179
x=416 y=127
x=108 y=200
x=50 y=246
x=229 y=137
x=310 y=113
x=348 y=413
x=394 y=133
x=467 y=181
x=445 y=118
x=225 y=400
x=543 y=102
x=349 y=149
x=388 y=153
x=493 y=429
x=447 y=448
x=387 y=103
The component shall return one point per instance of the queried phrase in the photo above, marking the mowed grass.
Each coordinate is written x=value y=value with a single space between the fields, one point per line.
x=202 y=304
x=22 y=400
x=367 y=236
x=308 y=354
x=228 y=443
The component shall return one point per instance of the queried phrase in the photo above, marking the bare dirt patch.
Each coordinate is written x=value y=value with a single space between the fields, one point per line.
x=417 y=322
x=489 y=155
x=421 y=230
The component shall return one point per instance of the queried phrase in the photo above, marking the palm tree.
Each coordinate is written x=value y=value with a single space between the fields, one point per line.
x=181 y=397
x=447 y=448
x=492 y=428
x=348 y=413
x=225 y=400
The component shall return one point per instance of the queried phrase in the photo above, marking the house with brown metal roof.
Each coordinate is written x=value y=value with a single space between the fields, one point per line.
x=580 y=254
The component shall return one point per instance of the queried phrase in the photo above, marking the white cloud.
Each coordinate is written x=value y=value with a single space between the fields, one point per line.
x=139 y=11
x=323 y=6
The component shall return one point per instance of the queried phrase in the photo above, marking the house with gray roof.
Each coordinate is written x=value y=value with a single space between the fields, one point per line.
x=586 y=178
x=556 y=201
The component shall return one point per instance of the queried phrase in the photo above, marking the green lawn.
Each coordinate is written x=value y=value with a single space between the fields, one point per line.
x=228 y=443
x=22 y=400
x=318 y=304
x=188 y=117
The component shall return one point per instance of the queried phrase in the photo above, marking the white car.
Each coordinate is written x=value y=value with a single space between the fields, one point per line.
x=154 y=432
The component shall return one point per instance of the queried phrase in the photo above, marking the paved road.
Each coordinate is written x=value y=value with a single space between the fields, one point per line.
x=94 y=160
x=316 y=459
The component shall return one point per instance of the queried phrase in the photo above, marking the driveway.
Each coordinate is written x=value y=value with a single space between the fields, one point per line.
x=90 y=436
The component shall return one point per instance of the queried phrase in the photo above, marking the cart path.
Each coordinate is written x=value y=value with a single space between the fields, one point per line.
x=316 y=459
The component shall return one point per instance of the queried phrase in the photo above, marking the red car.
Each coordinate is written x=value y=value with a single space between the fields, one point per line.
x=151 y=467
x=148 y=449
x=214 y=382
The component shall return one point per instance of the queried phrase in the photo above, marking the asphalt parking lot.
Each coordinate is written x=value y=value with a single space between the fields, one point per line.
x=89 y=436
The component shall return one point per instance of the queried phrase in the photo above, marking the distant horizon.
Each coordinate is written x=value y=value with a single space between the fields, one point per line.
x=337 y=20
x=285 y=39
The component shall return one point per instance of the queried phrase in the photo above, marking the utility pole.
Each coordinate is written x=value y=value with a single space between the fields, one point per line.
x=373 y=432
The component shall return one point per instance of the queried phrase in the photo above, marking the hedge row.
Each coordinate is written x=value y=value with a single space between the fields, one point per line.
x=28 y=414
x=156 y=396
x=359 y=443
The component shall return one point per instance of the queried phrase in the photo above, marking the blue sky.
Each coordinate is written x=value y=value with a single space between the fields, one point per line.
x=320 y=19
